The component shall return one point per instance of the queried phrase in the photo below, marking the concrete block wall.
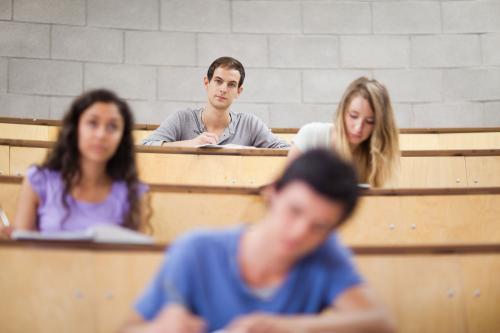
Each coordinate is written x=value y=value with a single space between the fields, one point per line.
x=440 y=59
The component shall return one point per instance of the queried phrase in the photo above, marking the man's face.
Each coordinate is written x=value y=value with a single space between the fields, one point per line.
x=300 y=219
x=223 y=88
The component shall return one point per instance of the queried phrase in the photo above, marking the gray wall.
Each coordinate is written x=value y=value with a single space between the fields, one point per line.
x=439 y=59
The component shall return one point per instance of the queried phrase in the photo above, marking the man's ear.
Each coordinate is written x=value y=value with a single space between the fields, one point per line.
x=240 y=90
x=206 y=81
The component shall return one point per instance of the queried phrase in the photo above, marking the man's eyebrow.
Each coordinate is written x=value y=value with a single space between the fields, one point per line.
x=218 y=77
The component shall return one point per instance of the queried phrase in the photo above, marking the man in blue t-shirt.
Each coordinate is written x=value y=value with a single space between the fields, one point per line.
x=274 y=276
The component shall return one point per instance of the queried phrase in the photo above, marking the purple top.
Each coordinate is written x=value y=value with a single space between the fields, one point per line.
x=48 y=185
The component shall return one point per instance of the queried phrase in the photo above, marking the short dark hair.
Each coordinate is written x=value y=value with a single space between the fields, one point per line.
x=328 y=175
x=229 y=63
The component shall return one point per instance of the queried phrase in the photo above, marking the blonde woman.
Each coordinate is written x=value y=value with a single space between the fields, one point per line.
x=364 y=133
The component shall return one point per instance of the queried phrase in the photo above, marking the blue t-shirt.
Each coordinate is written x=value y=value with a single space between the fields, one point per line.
x=201 y=271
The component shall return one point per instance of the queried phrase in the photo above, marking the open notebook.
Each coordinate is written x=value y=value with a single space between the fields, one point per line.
x=98 y=234
x=228 y=146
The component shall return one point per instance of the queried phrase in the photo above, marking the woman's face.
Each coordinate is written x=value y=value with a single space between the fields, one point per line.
x=100 y=130
x=359 y=120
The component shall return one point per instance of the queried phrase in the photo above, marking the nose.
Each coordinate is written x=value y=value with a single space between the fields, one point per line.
x=358 y=126
x=100 y=131
x=223 y=87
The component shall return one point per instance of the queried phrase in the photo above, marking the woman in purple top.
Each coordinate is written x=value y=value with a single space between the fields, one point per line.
x=90 y=177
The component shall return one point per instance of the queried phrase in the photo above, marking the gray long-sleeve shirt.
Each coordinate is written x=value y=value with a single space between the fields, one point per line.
x=244 y=129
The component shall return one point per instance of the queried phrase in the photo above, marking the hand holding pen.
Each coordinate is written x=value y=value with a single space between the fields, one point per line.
x=205 y=138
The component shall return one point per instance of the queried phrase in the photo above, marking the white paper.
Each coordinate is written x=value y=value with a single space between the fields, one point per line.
x=98 y=234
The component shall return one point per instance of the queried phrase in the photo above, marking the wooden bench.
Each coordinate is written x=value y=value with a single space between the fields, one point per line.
x=384 y=217
x=75 y=287
x=410 y=138
x=255 y=167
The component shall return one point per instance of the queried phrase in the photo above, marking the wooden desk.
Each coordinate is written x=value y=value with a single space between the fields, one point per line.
x=49 y=287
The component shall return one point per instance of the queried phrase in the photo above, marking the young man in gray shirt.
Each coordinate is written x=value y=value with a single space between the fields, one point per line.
x=215 y=123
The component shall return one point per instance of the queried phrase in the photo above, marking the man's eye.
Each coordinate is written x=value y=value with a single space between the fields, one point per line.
x=232 y=85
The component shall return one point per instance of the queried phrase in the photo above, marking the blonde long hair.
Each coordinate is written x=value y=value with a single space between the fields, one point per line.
x=377 y=158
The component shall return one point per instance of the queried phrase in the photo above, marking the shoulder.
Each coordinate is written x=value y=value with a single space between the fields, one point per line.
x=315 y=128
x=248 y=119
x=120 y=189
x=206 y=241
x=38 y=175
x=332 y=253
x=313 y=135
x=183 y=115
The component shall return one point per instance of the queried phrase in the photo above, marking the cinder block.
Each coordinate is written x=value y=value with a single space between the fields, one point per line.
x=182 y=84
x=45 y=77
x=448 y=115
x=303 y=52
x=128 y=81
x=472 y=84
x=196 y=15
x=297 y=115
x=3 y=75
x=87 y=44
x=375 y=51
x=127 y=14
x=260 y=110
x=24 y=106
x=491 y=49
x=5 y=9
x=327 y=86
x=266 y=16
x=50 y=11
x=251 y=50
x=404 y=114
x=412 y=85
x=491 y=114
x=59 y=106
x=446 y=51
x=271 y=86
x=406 y=17
x=337 y=18
x=471 y=16
x=160 y=48
x=24 y=40
x=154 y=112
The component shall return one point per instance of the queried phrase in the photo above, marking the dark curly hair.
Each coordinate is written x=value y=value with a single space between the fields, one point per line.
x=65 y=156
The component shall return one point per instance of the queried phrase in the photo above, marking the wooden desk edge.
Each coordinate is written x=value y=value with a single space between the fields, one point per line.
x=428 y=249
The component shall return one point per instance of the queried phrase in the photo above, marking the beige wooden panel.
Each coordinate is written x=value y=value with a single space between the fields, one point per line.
x=120 y=278
x=53 y=133
x=417 y=220
x=288 y=137
x=21 y=158
x=418 y=142
x=4 y=160
x=140 y=135
x=209 y=169
x=435 y=171
x=391 y=220
x=24 y=132
x=177 y=213
x=483 y=171
x=485 y=140
x=9 y=195
x=46 y=291
x=40 y=289
x=424 y=293
x=481 y=292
